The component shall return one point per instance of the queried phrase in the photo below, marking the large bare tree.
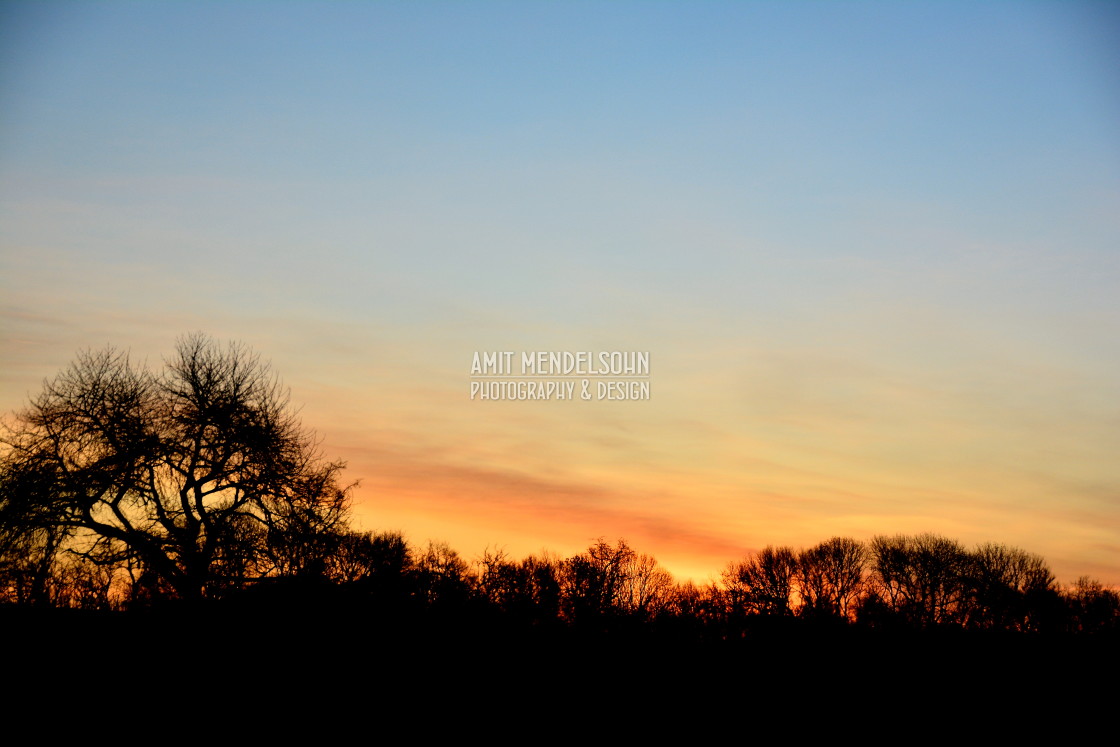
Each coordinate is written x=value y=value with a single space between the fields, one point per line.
x=201 y=472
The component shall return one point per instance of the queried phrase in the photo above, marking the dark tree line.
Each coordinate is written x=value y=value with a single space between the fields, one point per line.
x=915 y=582
x=121 y=488
x=923 y=581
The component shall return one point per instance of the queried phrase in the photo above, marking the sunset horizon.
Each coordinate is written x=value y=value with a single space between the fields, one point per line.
x=705 y=277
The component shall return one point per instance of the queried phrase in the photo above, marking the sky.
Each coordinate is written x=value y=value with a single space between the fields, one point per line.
x=872 y=250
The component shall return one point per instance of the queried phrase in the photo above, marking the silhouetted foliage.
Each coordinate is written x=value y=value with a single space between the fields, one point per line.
x=543 y=577
x=831 y=577
x=762 y=584
x=1093 y=608
x=1010 y=589
x=362 y=556
x=922 y=578
x=30 y=538
x=527 y=589
x=442 y=576
x=120 y=488
x=199 y=476
x=592 y=582
x=646 y=586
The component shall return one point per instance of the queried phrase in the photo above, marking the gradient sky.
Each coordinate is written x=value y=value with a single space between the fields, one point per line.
x=872 y=248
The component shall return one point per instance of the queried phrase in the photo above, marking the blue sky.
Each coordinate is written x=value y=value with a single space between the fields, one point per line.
x=876 y=243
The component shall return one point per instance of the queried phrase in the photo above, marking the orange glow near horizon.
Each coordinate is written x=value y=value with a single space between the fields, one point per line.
x=730 y=455
x=686 y=481
x=871 y=249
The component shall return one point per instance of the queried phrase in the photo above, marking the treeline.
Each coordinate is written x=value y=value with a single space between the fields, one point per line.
x=126 y=488
x=899 y=582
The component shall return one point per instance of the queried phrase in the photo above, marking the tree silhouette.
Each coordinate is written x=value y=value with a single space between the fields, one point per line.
x=364 y=556
x=119 y=484
x=763 y=583
x=442 y=576
x=923 y=578
x=593 y=581
x=30 y=540
x=646 y=586
x=1093 y=608
x=201 y=474
x=830 y=577
x=1008 y=586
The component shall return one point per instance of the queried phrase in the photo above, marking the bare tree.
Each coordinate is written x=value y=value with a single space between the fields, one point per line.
x=593 y=580
x=922 y=577
x=1093 y=607
x=763 y=583
x=830 y=577
x=201 y=470
x=1006 y=586
x=443 y=577
x=646 y=585
x=360 y=556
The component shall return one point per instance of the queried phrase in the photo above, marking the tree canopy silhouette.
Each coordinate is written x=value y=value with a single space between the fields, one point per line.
x=120 y=486
x=196 y=475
